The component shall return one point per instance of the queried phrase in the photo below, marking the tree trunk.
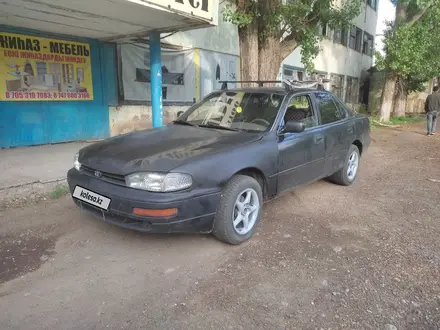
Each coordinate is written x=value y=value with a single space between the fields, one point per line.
x=249 y=52
x=400 y=104
x=269 y=48
x=248 y=38
x=387 y=97
x=389 y=90
x=269 y=58
x=401 y=96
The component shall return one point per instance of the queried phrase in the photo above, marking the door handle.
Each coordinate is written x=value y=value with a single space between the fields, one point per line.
x=319 y=138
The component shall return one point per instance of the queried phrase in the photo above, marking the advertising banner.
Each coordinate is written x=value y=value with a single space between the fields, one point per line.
x=178 y=74
x=43 y=69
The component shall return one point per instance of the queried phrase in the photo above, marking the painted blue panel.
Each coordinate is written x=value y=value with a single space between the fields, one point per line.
x=33 y=123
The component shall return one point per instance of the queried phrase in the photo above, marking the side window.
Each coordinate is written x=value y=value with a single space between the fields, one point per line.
x=345 y=111
x=328 y=109
x=300 y=109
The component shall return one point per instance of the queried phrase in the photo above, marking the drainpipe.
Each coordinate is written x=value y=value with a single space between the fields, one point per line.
x=156 y=79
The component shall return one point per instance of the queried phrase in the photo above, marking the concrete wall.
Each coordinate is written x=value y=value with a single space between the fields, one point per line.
x=127 y=118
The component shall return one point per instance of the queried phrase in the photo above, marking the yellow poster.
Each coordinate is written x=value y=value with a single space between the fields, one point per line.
x=42 y=69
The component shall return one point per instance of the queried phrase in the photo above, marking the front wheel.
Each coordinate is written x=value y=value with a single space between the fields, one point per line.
x=347 y=175
x=239 y=210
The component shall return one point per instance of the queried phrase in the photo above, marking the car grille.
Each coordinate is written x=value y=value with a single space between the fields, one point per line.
x=109 y=177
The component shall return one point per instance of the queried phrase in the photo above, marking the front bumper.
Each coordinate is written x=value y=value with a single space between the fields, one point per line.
x=195 y=211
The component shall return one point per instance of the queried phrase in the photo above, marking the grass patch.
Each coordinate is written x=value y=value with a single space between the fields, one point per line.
x=406 y=120
x=398 y=121
x=59 y=191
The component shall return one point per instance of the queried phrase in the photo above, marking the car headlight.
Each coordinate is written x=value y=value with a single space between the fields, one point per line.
x=76 y=162
x=159 y=182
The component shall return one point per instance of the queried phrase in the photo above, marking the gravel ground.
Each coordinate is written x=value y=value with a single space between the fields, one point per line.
x=325 y=257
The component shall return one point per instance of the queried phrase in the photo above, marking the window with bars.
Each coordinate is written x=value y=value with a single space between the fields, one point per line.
x=337 y=85
x=352 y=90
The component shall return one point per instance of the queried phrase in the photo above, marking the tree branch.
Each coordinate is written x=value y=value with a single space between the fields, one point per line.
x=419 y=16
x=288 y=45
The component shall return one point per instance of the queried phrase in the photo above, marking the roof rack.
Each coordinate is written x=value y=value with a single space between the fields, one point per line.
x=260 y=83
x=308 y=84
x=289 y=85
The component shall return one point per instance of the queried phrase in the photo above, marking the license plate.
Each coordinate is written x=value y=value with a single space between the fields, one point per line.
x=91 y=197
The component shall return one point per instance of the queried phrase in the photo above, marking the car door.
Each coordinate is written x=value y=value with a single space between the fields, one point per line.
x=338 y=130
x=301 y=156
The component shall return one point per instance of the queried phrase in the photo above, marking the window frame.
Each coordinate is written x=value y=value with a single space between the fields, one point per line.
x=350 y=35
x=353 y=87
x=365 y=40
x=312 y=105
x=342 y=80
x=372 y=4
x=280 y=121
x=349 y=87
x=342 y=33
x=358 y=42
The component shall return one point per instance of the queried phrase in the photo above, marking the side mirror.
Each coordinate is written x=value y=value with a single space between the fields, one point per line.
x=294 y=127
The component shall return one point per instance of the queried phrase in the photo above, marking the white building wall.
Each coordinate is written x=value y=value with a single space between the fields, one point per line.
x=338 y=59
x=223 y=38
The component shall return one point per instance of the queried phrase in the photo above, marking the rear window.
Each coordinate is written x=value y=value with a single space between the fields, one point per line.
x=328 y=108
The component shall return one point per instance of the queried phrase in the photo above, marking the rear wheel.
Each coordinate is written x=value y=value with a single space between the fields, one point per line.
x=347 y=175
x=239 y=210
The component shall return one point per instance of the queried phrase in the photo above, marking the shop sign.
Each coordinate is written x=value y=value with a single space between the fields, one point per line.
x=198 y=8
x=43 y=69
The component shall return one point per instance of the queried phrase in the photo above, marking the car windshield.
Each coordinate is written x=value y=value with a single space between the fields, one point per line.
x=241 y=111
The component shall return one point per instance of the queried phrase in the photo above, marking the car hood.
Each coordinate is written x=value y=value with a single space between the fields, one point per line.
x=161 y=149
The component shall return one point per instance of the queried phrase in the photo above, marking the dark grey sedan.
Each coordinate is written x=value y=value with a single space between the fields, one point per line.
x=212 y=168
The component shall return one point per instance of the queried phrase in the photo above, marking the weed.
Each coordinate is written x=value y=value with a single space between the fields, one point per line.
x=407 y=120
x=363 y=109
x=59 y=191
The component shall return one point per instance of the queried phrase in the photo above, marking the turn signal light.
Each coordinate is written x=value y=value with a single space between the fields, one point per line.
x=155 y=213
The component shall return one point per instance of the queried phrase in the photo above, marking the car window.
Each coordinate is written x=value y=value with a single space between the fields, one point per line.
x=300 y=109
x=248 y=111
x=328 y=109
x=343 y=107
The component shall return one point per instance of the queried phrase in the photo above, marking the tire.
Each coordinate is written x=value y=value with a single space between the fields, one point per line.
x=342 y=177
x=233 y=197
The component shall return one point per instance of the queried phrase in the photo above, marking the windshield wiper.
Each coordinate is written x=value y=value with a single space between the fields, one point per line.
x=183 y=122
x=219 y=127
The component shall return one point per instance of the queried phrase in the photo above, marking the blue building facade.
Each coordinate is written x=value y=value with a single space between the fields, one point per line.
x=26 y=123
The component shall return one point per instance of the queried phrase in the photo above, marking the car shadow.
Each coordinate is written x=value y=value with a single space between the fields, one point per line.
x=116 y=232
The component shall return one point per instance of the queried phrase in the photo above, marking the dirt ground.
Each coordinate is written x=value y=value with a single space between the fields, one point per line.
x=325 y=257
